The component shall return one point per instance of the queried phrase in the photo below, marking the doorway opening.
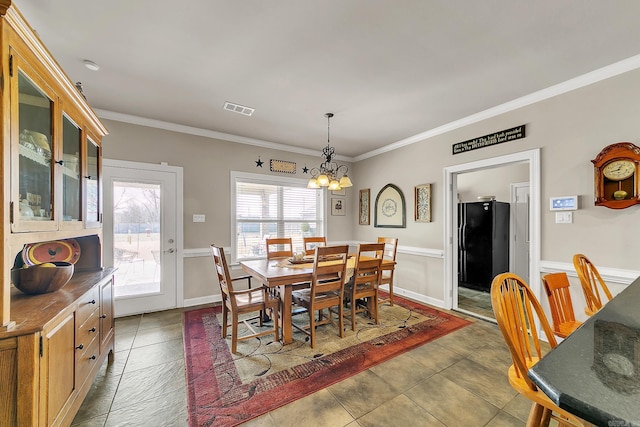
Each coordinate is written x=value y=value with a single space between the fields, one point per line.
x=474 y=301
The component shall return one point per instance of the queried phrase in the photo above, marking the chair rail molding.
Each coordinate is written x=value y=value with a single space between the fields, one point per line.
x=612 y=275
x=406 y=250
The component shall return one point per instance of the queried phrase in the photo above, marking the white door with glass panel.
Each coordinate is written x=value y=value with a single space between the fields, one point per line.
x=141 y=234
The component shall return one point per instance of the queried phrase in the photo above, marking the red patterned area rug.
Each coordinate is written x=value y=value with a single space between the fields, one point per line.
x=225 y=389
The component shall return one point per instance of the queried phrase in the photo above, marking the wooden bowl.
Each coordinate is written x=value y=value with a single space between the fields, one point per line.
x=42 y=278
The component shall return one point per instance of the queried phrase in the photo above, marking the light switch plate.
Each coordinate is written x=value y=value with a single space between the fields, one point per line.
x=564 y=217
x=198 y=218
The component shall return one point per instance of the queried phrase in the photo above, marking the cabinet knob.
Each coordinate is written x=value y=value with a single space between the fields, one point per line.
x=92 y=330
x=80 y=347
x=88 y=176
x=93 y=357
x=104 y=316
x=92 y=301
x=60 y=162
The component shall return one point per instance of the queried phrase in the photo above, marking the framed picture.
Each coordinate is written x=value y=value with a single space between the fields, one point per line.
x=390 y=210
x=364 y=211
x=423 y=203
x=340 y=192
x=337 y=207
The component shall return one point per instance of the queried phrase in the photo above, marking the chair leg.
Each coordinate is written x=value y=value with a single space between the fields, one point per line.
x=391 y=292
x=354 y=304
x=312 y=327
x=274 y=316
x=234 y=333
x=375 y=308
x=225 y=322
x=536 y=414
x=341 y=320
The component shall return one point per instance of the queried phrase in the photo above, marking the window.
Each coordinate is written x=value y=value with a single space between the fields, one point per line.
x=265 y=206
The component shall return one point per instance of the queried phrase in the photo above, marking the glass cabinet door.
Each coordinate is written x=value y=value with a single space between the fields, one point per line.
x=35 y=152
x=71 y=183
x=93 y=190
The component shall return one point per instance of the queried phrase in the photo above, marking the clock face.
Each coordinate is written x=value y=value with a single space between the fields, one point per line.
x=619 y=170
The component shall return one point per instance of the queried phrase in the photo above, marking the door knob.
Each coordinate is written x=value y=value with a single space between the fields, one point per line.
x=170 y=251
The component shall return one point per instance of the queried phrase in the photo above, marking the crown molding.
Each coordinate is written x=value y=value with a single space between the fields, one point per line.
x=207 y=133
x=587 y=79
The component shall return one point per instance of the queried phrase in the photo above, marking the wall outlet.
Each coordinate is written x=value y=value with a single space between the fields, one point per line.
x=198 y=218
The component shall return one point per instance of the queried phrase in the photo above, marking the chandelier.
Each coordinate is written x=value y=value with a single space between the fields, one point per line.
x=329 y=174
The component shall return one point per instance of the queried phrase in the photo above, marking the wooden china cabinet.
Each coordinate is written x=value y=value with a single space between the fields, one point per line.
x=51 y=345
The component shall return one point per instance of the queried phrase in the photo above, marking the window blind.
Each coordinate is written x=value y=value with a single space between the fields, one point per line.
x=273 y=207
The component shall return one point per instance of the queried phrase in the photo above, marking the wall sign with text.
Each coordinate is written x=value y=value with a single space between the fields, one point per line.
x=489 y=140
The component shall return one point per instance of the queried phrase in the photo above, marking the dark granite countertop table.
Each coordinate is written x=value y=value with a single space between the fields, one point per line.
x=595 y=372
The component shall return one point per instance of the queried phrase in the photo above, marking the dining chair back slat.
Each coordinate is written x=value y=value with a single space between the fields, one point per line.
x=556 y=286
x=310 y=243
x=279 y=247
x=592 y=284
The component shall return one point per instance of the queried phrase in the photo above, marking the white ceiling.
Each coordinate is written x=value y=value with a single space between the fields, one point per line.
x=388 y=69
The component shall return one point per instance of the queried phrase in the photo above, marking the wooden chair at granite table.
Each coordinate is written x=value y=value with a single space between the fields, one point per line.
x=556 y=286
x=310 y=243
x=389 y=253
x=592 y=284
x=365 y=282
x=516 y=309
x=279 y=247
x=326 y=290
x=239 y=303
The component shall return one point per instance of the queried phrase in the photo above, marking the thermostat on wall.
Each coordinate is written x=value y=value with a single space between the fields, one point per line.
x=564 y=203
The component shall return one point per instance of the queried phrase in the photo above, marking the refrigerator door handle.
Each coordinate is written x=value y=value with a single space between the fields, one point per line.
x=463 y=236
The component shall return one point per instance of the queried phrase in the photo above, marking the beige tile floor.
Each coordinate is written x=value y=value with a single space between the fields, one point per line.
x=477 y=302
x=458 y=380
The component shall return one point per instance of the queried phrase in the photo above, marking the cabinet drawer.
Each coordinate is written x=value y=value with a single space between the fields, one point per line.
x=88 y=330
x=87 y=304
x=87 y=359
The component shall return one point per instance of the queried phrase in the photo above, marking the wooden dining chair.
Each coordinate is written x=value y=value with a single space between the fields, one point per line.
x=238 y=303
x=517 y=312
x=389 y=253
x=556 y=286
x=592 y=284
x=310 y=243
x=279 y=247
x=326 y=290
x=365 y=282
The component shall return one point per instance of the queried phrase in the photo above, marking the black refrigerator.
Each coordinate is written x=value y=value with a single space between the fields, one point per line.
x=483 y=243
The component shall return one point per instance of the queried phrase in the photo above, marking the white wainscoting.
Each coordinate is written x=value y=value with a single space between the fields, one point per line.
x=609 y=275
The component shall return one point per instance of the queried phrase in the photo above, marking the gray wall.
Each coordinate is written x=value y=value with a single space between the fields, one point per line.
x=569 y=130
x=207 y=164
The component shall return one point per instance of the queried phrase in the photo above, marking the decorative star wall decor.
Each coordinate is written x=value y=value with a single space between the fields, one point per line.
x=305 y=169
x=259 y=162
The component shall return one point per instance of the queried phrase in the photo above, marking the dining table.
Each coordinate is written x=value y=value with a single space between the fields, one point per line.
x=282 y=274
x=595 y=372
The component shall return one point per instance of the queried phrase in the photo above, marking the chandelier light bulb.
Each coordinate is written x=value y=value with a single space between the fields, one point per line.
x=323 y=180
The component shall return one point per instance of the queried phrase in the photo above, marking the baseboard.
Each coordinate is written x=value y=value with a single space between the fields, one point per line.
x=209 y=299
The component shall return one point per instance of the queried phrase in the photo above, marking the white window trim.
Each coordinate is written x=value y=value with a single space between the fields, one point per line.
x=270 y=180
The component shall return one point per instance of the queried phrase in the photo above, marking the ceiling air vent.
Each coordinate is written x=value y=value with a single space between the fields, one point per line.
x=240 y=109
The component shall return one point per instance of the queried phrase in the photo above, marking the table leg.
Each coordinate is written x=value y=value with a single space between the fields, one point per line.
x=284 y=291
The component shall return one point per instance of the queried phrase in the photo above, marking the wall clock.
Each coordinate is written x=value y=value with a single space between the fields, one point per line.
x=616 y=175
